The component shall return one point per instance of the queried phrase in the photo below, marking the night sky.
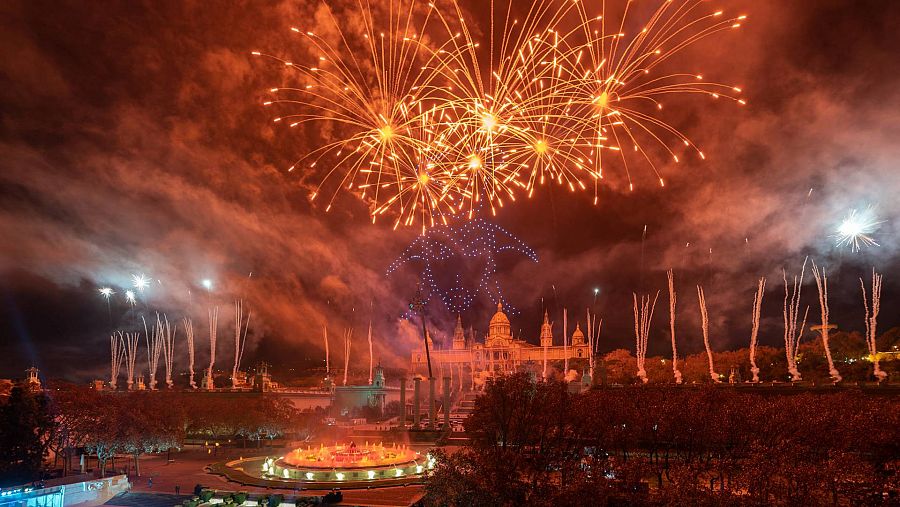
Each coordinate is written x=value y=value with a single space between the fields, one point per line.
x=132 y=141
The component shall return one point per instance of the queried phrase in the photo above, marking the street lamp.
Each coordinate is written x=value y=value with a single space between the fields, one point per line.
x=417 y=305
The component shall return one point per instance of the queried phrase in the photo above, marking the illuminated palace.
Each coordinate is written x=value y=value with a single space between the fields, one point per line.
x=500 y=352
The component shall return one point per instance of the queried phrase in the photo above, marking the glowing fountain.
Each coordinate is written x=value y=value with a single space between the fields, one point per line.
x=340 y=463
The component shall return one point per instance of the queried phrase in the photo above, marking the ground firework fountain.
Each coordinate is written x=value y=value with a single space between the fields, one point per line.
x=792 y=333
x=754 y=333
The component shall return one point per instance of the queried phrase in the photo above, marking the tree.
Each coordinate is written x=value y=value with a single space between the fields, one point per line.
x=26 y=426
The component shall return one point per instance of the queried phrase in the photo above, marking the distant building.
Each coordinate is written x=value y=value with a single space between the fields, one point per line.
x=374 y=395
x=262 y=381
x=500 y=352
x=32 y=380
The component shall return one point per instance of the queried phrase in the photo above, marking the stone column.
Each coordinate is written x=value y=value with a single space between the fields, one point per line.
x=446 y=403
x=417 y=388
x=402 y=403
x=431 y=405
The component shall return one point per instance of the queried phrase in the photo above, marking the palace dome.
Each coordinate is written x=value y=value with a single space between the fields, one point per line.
x=577 y=336
x=499 y=327
x=499 y=318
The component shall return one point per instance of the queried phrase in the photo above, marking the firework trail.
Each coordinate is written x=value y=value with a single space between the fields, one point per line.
x=371 y=356
x=240 y=338
x=117 y=353
x=167 y=337
x=597 y=341
x=822 y=285
x=546 y=340
x=590 y=340
x=327 y=355
x=872 y=321
x=704 y=320
x=792 y=333
x=643 y=314
x=131 y=350
x=189 y=332
x=213 y=314
x=672 y=299
x=757 y=305
x=593 y=334
x=348 y=333
x=154 y=348
x=565 y=341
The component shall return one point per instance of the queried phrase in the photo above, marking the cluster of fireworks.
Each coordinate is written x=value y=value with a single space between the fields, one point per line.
x=347 y=338
x=424 y=121
x=643 y=315
x=160 y=341
x=793 y=325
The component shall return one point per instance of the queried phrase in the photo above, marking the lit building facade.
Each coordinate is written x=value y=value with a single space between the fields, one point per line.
x=500 y=352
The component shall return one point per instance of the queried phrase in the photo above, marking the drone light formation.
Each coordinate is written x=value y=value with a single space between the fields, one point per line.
x=424 y=127
x=471 y=241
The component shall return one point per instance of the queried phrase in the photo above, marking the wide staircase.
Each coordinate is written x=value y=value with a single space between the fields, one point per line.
x=464 y=406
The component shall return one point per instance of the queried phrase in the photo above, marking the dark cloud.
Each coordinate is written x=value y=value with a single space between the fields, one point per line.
x=133 y=141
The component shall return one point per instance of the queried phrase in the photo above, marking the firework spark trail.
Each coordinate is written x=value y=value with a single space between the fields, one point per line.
x=167 y=335
x=822 y=285
x=590 y=340
x=544 y=371
x=327 y=355
x=792 y=333
x=154 y=348
x=213 y=314
x=643 y=314
x=117 y=353
x=872 y=321
x=704 y=320
x=241 y=327
x=371 y=355
x=348 y=333
x=565 y=342
x=593 y=334
x=189 y=333
x=672 y=300
x=131 y=350
x=757 y=305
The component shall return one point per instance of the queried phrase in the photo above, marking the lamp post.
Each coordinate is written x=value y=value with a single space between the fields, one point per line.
x=418 y=306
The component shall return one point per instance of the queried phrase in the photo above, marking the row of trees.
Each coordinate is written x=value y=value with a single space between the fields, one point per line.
x=535 y=443
x=71 y=420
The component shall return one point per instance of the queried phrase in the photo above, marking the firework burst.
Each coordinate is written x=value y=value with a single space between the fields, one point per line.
x=856 y=230
x=426 y=120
